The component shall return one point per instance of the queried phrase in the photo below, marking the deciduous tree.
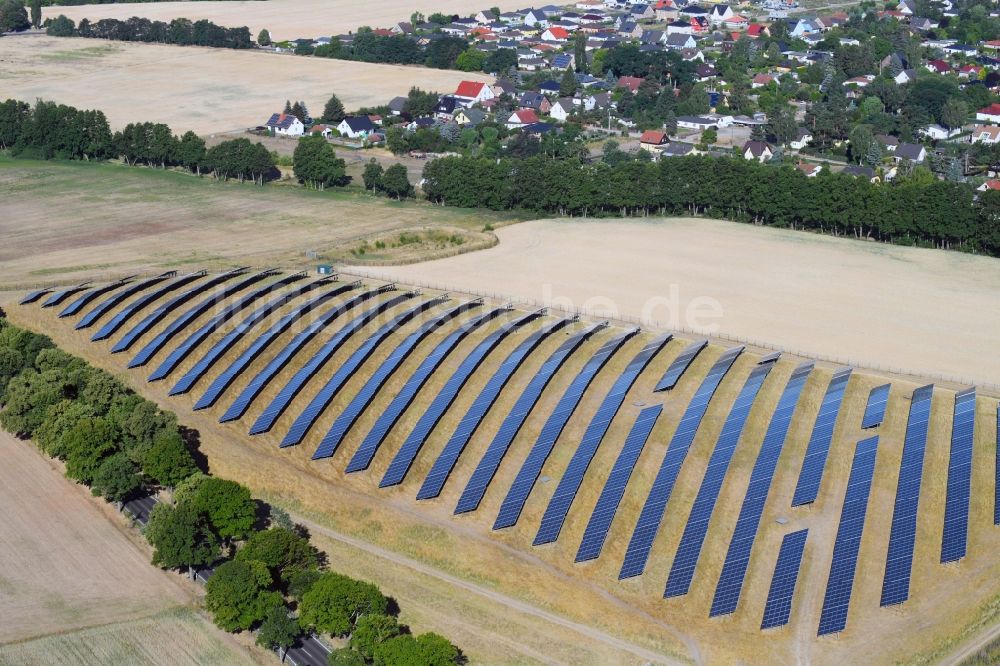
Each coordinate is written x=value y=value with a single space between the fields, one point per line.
x=237 y=595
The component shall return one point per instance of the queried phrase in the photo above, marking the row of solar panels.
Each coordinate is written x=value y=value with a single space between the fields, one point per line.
x=728 y=589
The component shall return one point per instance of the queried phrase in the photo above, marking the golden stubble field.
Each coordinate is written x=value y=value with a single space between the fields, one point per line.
x=205 y=90
x=285 y=19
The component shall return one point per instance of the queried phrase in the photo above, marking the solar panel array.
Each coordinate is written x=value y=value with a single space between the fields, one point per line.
x=480 y=480
x=811 y=474
x=85 y=298
x=518 y=493
x=572 y=478
x=259 y=381
x=903 y=533
x=309 y=370
x=190 y=315
x=138 y=304
x=875 y=411
x=680 y=366
x=236 y=368
x=346 y=419
x=61 y=295
x=446 y=460
x=373 y=440
x=406 y=454
x=689 y=551
x=778 y=607
x=219 y=349
x=734 y=569
x=112 y=301
x=837 y=599
x=614 y=487
x=956 y=505
x=181 y=352
x=659 y=494
x=304 y=422
x=33 y=296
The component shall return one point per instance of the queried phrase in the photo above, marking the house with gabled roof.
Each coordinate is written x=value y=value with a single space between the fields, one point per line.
x=535 y=101
x=720 y=13
x=987 y=134
x=630 y=83
x=285 y=124
x=471 y=117
x=555 y=34
x=356 y=127
x=521 y=118
x=536 y=19
x=472 y=92
x=913 y=152
x=653 y=140
x=757 y=150
x=562 y=109
x=680 y=41
x=755 y=30
x=989 y=113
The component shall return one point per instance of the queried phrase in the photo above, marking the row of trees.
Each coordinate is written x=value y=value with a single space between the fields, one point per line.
x=180 y=31
x=440 y=53
x=272 y=580
x=914 y=212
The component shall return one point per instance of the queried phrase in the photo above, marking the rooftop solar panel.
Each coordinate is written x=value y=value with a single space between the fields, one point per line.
x=786 y=572
x=811 y=474
x=309 y=370
x=680 y=365
x=175 y=357
x=404 y=458
x=659 y=494
x=309 y=416
x=445 y=463
x=614 y=487
x=488 y=464
x=219 y=349
x=373 y=440
x=518 y=493
x=133 y=308
x=956 y=506
x=111 y=301
x=83 y=299
x=903 y=532
x=689 y=551
x=346 y=419
x=184 y=320
x=875 y=411
x=734 y=569
x=837 y=599
x=569 y=484
x=61 y=295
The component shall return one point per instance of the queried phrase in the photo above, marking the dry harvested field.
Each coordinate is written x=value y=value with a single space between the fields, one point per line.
x=947 y=602
x=191 y=88
x=917 y=311
x=285 y=19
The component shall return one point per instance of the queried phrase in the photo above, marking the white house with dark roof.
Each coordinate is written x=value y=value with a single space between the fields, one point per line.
x=356 y=127
x=285 y=124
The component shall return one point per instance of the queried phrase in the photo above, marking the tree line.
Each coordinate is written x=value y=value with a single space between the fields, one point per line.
x=180 y=31
x=272 y=580
x=911 y=212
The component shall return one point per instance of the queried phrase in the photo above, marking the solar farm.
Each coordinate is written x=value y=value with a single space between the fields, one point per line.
x=745 y=505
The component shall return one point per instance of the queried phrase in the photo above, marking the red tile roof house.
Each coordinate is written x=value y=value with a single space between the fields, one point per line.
x=990 y=113
x=938 y=67
x=521 y=117
x=632 y=83
x=653 y=140
x=472 y=92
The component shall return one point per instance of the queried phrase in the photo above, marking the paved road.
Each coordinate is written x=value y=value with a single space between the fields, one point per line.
x=307 y=652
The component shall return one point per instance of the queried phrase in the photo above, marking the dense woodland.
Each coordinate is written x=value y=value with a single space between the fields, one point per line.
x=268 y=577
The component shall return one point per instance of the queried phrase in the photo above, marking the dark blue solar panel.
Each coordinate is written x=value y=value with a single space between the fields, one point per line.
x=325 y=395
x=734 y=569
x=83 y=299
x=686 y=560
x=184 y=320
x=663 y=485
x=219 y=349
x=404 y=458
x=614 y=488
x=227 y=376
x=680 y=366
x=61 y=295
x=837 y=599
x=811 y=474
x=903 y=533
x=448 y=457
x=373 y=440
x=202 y=332
x=875 y=411
x=138 y=304
x=483 y=475
x=163 y=310
x=786 y=572
x=307 y=371
x=513 y=503
x=113 y=300
x=346 y=419
x=569 y=484
x=956 y=506
x=33 y=296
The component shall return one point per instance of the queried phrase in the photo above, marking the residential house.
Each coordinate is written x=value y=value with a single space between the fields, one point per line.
x=720 y=13
x=285 y=124
x=324 y=131
x=913 y=152
x=736 y=22
x=989 y=185
x=697 y=122
x=536 y=102
x=356 y=127
x=680 y=41
x=938 y=67
x=757 y=150
x=923 y=24
x=549 y=88
x=562 y=109
x=473 y=92
x=535 y=19
x=860 y=172
x=677 y=149
x=555 y=34
x=907 y=7
x=563 y=61
x=653 y=140
x=521 y=118
x=810 y=170
x=802 y=139
x=905 y=76
x=755 y=30
x=641 y=12
x=804 y=27
x=762 y=80
x=630 y=83
x=988 y=134
x=447 y=106
x=595 y=101
x=938 y=132
x=680 y=28
x=990 y=114
x=705 y=72
x=889 y=142
x=396 y=105
x=471 y=117
x=402 y=28
x=538 y=129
